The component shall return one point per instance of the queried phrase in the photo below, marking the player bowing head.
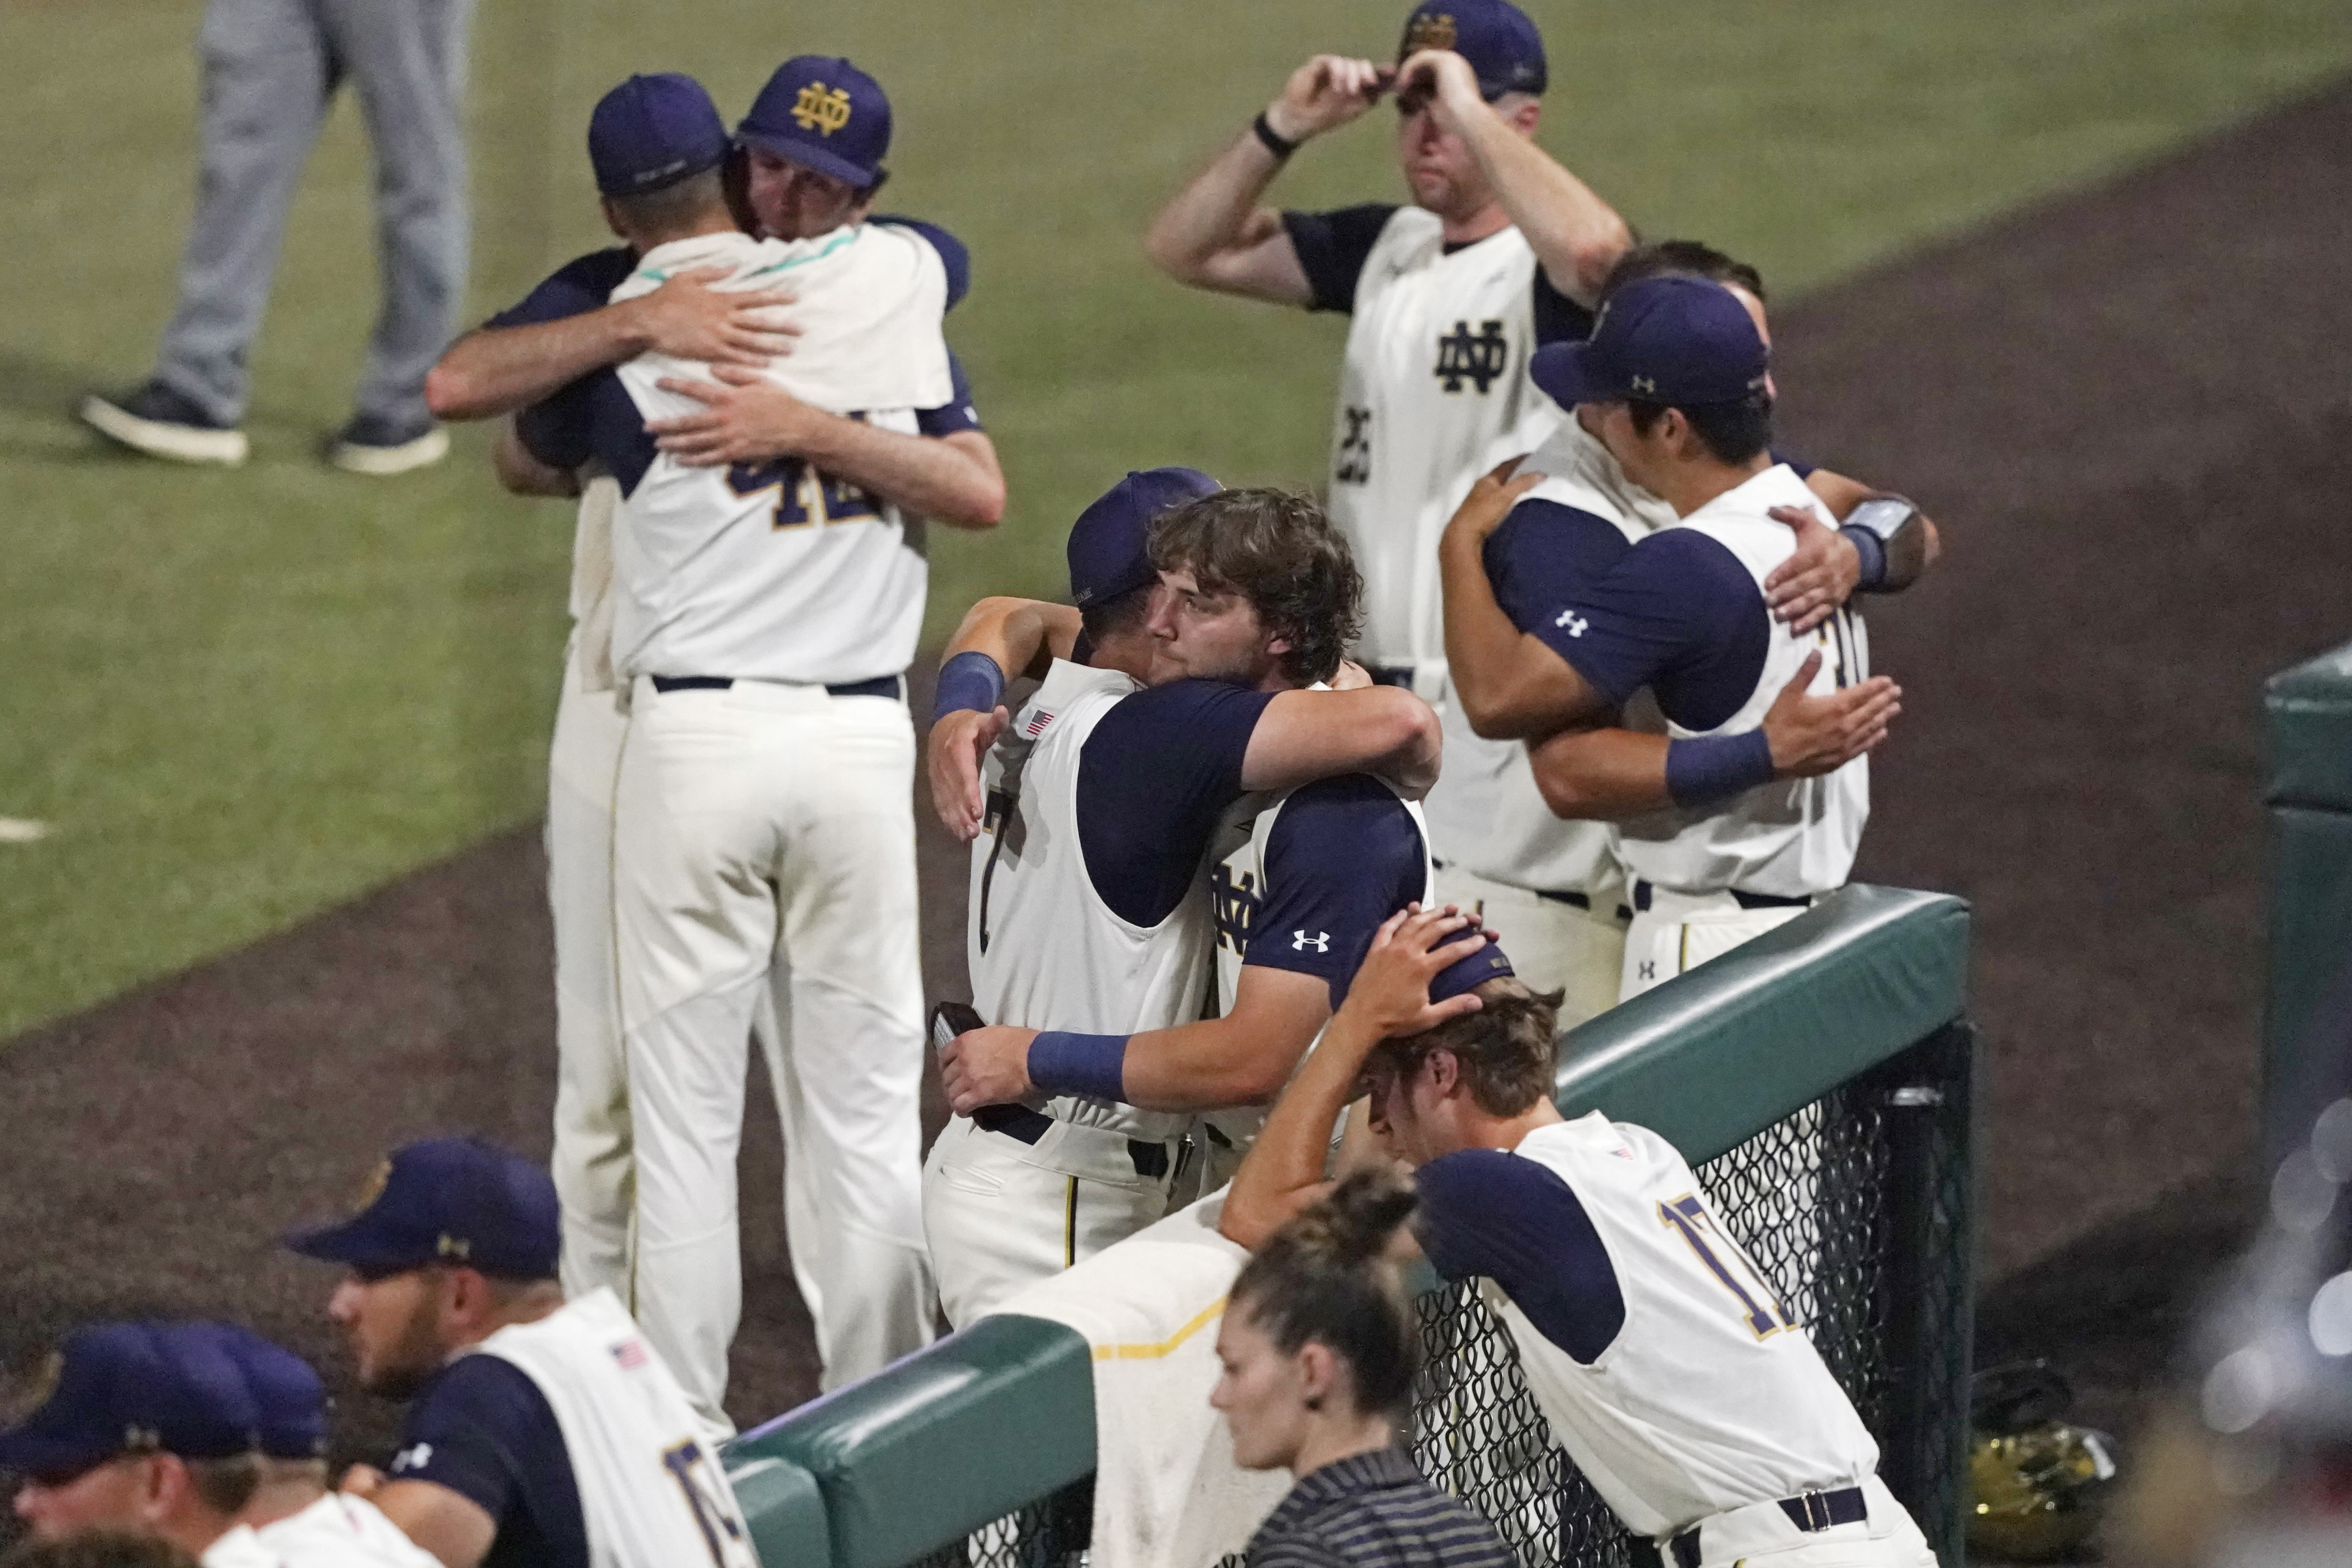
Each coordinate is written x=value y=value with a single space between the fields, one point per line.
x=1261 y=591
x=1319 y=1349
x=1665 y=1361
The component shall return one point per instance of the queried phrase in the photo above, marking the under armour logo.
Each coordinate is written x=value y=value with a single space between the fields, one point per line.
x=1649 y=969
x=1643 y=384
x=1480 y=359
x=1573 y=622
x=413 y=1458
x=818 y=109
x=1355 y=465
x=1320 y=941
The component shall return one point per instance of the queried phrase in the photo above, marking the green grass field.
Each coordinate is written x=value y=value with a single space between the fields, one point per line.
x=238 y=698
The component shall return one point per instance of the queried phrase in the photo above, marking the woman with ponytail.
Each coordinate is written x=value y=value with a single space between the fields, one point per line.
x=1319 y=1349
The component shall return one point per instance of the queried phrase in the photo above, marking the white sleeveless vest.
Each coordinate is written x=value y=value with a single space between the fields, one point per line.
x=1045 y=951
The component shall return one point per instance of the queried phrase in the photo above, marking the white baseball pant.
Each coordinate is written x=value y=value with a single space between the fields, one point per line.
x=592 y=1162
x=1679 y=932
x=1002 y=1214
x=1553 y=945
x=763 y=836
x=1763 y=1536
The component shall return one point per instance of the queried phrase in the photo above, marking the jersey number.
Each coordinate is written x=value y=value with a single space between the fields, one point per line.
x=1688 y=1215
x=685 y=1464
x=806 y=497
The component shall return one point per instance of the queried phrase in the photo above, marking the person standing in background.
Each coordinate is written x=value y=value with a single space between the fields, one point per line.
x=271 y=68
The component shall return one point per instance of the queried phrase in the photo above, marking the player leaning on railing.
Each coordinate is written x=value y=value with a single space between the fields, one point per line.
x=1668 y=1373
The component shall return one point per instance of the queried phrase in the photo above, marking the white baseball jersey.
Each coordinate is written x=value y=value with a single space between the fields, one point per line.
x=774 y=570
x=1793 y=837
x=242 y=1547
x=1436 y=371
x=1046 y=952
x=651 y=1488
x=339 y=1530
x=1703 y=1397
x=1485 y=813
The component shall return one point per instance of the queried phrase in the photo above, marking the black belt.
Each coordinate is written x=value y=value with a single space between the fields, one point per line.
x=880 y=686
x=1019 y=1121
x=1812 y=1513
x=1745 y=900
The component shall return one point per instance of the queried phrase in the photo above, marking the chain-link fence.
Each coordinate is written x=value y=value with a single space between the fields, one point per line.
x=1854 y=1208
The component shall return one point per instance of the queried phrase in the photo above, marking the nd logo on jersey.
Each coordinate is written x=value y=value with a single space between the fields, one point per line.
x=1461 y=357
x=1234 y=902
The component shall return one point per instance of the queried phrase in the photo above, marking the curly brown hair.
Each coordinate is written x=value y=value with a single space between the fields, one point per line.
x=1507 y=1051
x=1285 y=556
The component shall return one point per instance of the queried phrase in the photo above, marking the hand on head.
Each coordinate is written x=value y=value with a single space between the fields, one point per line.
x=1390 y=994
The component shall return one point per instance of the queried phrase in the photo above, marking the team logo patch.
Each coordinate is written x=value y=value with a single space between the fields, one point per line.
x=1480 y=358
x=817 y=110
x=630 y=1353
x=372 y=1188
x=1575 y=623
x=1320 y=941
x=1429 y=30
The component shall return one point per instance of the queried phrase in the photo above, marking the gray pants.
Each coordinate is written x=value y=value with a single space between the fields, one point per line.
x=271 y=67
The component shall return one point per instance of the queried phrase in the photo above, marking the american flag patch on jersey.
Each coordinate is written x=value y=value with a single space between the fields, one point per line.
x=630 y=1353
x=1035 y=725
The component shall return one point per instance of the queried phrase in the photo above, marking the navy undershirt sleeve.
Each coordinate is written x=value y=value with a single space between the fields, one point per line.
x=956 y=412
x=583 y=284
x=1154 y=777
x=1344 y=855
x=1489 y=1213
x=1332 y=247
x=1545 y=553
x=483 y=1429
x=1796 y=466
x=1559 y=319
x=1680 y=614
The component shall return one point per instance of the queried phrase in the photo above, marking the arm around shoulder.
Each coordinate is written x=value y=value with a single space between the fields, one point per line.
x=444 y=1521
x=1307 y=735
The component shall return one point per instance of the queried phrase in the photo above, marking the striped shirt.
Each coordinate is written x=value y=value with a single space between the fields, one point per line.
x=1373 y=1510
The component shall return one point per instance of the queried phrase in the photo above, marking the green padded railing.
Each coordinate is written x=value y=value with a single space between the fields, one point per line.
x=2309 y=711
x=991 y=1418
x=782 y=1504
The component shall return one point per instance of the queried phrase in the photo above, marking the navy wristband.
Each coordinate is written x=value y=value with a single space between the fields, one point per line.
x=1710 y=768
x=1091 y=1065
x=1873 y=551
x=970 y=682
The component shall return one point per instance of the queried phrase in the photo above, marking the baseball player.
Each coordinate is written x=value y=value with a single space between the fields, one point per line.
x=291 y=1512
x=1312 y=871
x=1551 y=880
x=1656 y=1349
x=1754 y=828
x=146 y=1429
x=539 y=1430
x=825 y=1196
x=1091 y=933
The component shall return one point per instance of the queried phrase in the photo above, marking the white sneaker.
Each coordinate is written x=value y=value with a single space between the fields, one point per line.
x=163 y=423
x=371 y=445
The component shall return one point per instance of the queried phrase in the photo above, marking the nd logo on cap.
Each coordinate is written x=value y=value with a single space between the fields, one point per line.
x=819 y=109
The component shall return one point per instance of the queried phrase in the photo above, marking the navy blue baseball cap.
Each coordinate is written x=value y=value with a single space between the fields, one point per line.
x=1496 y=37
x=1673 y=339
x=446 y=1200
x=1111 y=544
x=1467 y=973
x=120 y=1388
x=823 y=113
x=652 y=131
x=290 y=1402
